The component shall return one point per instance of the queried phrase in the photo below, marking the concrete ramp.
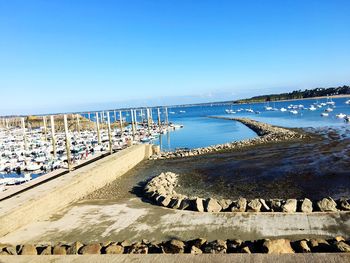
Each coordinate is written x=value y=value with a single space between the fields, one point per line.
x=43 y=200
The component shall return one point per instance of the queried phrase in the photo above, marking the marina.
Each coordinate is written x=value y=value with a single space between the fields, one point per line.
x=174 y=131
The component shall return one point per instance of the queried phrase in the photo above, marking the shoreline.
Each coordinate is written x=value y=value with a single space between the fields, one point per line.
x=311 y=98
x=161 y=191
x=266 y=133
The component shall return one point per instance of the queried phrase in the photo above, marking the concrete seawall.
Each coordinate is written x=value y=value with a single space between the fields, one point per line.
x=42 y=201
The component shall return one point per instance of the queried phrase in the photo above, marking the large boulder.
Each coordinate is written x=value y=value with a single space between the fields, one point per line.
x=344 y=205
x=11 y=250
x=215 y=247
x=198 y=204
x=225 y=204
x=254 y=206
x=59 y=250
x=320 y=245
x=306 y=206
x=74 y=248
x=302 y=246
x=174 y=246
x=275 y=205
x=28 y=249
x=240 y=205
x=342 y=247
x=90 y=249
x=327 y=205
x=290 y=206
x=277 y=246
x=195 y=250
x=199 y=242
x=138 y=248
x=212 y=205
x=114 y=249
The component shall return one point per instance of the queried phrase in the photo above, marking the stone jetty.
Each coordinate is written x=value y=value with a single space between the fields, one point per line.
x=266 y=134
x=174 y=246
x=161 y=191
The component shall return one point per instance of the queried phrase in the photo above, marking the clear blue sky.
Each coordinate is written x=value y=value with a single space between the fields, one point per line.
x=84 y=55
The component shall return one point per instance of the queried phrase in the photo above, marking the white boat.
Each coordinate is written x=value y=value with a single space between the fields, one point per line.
x=324 y=114
x=294 y=112
x=182 y=111
x=312 y=108
x=330 y=102
x=268 y=108
x=171 y=112
x=347 y=102
x=230 y=111
x=329 y=109
x=147 y=139
x=283 y=109
x=340 y=115
x=177 y=126
x=249 y=110
x=32 y=167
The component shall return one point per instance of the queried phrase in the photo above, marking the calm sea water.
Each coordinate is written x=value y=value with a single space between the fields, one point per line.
x=200 y=131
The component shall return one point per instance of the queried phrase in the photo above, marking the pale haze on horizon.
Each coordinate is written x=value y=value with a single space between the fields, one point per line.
x=63 y=56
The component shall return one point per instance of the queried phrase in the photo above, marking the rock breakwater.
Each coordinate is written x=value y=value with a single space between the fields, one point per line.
x=266 y=133
x=174 y=246
x=161 y=191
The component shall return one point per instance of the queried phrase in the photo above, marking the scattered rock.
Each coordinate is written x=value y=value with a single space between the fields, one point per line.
x=339 y=238
x=174 y=247
x=11 y=250
x=302 y=246
x=90 y=249
x=306 y=206
x=45 y=251
x=276 y=205
x=73 y=249
x=277 y=246
x=211 y=205
x=195 y=250
x=320 y=245
x=225 y=204
x=290 y=206
x=254 y=206
x=198 y=205
x=199 y=242
x=240 y=205
x=344 y=205
x=215 y=247
x=28 y=250
x=59 y=250
x=114 y=249
x=138 y=248
x=342 y=247
x=327 y=205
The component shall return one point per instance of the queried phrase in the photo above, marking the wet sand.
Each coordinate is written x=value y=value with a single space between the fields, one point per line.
x=315 y=168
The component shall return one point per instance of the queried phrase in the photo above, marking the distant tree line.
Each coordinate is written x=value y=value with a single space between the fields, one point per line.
x=299 y=94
